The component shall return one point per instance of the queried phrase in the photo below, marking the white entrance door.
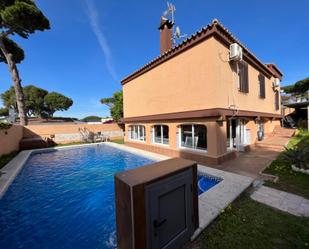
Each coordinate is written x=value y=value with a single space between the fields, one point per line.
x=236 y=133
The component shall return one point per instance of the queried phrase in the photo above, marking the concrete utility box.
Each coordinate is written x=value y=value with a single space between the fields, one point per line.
x=157 y=205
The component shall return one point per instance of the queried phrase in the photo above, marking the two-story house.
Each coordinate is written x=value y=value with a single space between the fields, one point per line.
x=198 y=102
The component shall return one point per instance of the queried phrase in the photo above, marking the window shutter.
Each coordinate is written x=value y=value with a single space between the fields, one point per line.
x=240 y=75
x=262 y=85
x=243 y=77
x=246 y=77
x=277 y=100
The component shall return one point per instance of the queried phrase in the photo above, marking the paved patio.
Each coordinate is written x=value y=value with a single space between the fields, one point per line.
x=253 y=162
x=283 y=201
x=250 y=163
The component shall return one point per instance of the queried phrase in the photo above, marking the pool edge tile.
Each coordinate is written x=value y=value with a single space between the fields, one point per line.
x=11 y=170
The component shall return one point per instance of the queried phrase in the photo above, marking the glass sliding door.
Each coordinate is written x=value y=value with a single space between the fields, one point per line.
x=186 y=136
x=193 y=136
x=236 y=133
x=160 y=134
x=137 y=132
x=231 y=133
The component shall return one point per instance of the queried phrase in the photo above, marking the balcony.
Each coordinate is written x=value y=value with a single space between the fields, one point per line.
x=296 y=101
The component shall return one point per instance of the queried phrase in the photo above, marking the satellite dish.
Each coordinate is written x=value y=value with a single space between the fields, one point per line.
x=171 y=8
x=170 y=11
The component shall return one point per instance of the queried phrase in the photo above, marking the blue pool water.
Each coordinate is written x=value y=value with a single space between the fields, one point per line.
x=65 y=199
x=206 y=182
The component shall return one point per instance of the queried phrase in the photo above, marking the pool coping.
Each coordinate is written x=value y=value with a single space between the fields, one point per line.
x=216 y=199
x=211 y=202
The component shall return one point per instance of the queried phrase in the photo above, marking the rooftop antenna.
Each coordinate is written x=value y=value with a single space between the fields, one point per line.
x=171 y=9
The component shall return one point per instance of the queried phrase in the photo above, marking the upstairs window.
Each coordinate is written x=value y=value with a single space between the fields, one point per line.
x=277 y=100
x=262 y=86
x=194 y=136
x=160 y=134
x=243 y=77
x=137 y=132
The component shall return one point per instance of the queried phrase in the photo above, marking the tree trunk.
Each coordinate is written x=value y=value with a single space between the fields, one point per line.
x=17 y=84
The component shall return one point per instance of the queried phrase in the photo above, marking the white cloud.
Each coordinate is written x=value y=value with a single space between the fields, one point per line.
x=93 y=16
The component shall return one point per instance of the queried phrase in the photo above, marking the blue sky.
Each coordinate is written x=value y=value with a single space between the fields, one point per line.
x=93 y=44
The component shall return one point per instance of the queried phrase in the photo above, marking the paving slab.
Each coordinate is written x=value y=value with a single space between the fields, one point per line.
x=284 y=201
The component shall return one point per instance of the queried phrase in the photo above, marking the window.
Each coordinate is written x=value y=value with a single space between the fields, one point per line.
x=243 y=77
x=262 y=86
x=160 y=134
x=277 y=100
x=137 y=132
x=193 y=136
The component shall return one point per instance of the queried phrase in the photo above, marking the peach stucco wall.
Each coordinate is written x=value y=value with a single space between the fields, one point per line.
x=287 y=111
x=47 y=130
x=199 y=78
x=216 y=136
x=226 y=82
x=270 y=125
x=66 y=133
x=179 y=84
x=9 y=139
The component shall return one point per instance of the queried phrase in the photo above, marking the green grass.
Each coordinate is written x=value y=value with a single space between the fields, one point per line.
x=118 y=141
x=249 y=224
x=6 y=158
x=301 y=137
x=69 y=144
x=289 y=180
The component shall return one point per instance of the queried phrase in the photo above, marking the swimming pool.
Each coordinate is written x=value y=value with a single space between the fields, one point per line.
x=206 y=182
x=65 y=199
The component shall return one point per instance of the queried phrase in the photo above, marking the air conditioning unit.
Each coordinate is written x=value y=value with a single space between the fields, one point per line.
x=276 y=83
x=235 y=52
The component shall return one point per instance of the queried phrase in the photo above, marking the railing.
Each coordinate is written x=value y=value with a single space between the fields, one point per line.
x=294 y=100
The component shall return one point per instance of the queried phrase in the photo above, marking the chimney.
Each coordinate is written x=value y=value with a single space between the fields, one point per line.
x=166 y=32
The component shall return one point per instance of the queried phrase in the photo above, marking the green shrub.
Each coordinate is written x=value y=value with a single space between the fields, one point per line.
x=304 y=142
x=302 y=123
x=4 y=159
x=5 y=126
x=297 y=155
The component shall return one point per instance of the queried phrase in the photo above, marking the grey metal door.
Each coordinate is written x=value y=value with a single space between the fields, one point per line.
x=169 y=212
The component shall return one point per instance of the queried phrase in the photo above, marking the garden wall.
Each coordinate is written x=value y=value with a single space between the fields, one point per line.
x=9 y=139
x=67 y=133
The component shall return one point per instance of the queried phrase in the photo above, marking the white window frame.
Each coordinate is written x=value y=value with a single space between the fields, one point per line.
x=136 y=128
x=241 y=138
x=180 y=138
x=162 y=138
